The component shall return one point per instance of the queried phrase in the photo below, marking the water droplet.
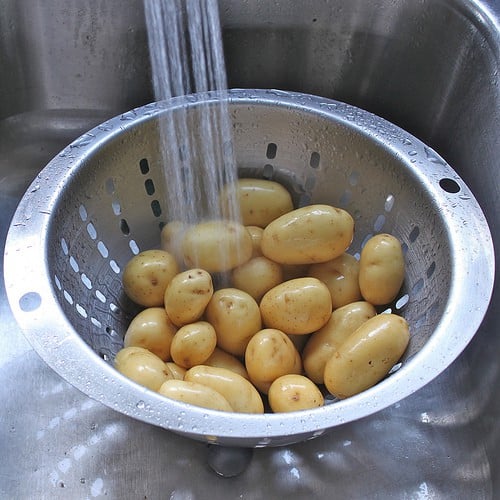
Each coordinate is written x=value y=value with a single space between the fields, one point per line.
x=140 y=404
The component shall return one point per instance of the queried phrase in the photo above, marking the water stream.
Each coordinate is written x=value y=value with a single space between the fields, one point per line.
x=186 y=53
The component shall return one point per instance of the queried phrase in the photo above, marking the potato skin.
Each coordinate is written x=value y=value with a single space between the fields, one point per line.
x=269 y=354
x=222 y=359
x=257 y=276
x=298 y=306
x=146 y=276
x=260 y=200
x=187 y=296
x=235 y=315
x=341 y=276
x=193 y=344
x=216 y=245
x=239 y=392
x=142 y=366
x=322 y=344
x=367 y=355
x=294 y=393
x=315 y=233
x=381 y=269
x=153 y=330
x=195 y=394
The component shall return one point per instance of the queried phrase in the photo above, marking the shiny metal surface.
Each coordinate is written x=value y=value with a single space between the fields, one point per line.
x=66 y=247
x=430 y=67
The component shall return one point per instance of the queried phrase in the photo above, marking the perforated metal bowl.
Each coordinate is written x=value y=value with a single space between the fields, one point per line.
x=100 y=201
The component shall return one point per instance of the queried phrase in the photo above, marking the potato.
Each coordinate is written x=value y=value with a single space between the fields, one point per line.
x=216 y=246
x=235 y=315
x=171 y=237
x=315 y=233
x=187 y=296
x=297 y=306
x=341 y=276
x=322 y=344
x=142 y=366
x=195 y=394
x=153 y=330
x=260 y=201
x=239 y=392
x=256 y=235
x=293 y=393
x=257 y=276
x=193 y=344
x=146 y=276
x=367 y=355
x=176 y=372
x=222 y=359
x=381 y=269
x=269 y=354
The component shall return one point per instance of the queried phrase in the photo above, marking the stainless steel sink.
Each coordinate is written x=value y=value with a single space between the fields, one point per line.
x=429 y=66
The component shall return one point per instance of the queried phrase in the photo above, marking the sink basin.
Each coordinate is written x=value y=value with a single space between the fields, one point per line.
x=430 y=67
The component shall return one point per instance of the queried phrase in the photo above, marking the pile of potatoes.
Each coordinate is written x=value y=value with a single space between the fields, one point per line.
x=297 y=320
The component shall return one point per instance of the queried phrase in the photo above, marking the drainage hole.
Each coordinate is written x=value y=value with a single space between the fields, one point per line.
x=314 y=161
x=272 y=148
x=144 y=166
x=449 y=185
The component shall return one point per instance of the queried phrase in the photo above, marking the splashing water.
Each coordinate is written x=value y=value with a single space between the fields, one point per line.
x=185 y=45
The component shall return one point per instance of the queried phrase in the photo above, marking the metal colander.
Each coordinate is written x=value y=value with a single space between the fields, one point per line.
x=101 y=200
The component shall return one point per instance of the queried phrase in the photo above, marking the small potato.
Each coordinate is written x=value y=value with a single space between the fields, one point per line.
x=216 y=246
x=293 y=393
x=142 y=366
x=270 y=354
x=367 y=355
x=257 y=276
x=260 y=200
x=187 y=296
x=341 y=276
x=153 y=330
x=222 y=359
x=193 y=344
x=381 y=269
x=256 y=235
x=171 y=238
x=297 y=306
x=146 y=276
x=239 y=392
x=315 y=233
x=176 y=372
x=195 y=394
x=322 y=344
x=235 y=315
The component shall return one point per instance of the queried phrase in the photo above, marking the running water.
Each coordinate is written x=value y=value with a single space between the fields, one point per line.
x=186 y=54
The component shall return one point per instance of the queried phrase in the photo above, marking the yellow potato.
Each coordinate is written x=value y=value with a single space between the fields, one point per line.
x=153 y=330
x=187 y=296
x=341 y=276
x=195 y=394
x=146 y=276
x=269 y=354
x=142 y=366
x=222 y=359
x=239 y=392
x=256 y=235
x=175 y=371
x=257 y=276
x=260 y=201
x=293 y=393
x=193 y=344
x=382 y=269
x=315 y=233
x=216 y=246
x=322 y=344
x=367 y=355
x=297 y=306
x=171 y=238
x=235 y=315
